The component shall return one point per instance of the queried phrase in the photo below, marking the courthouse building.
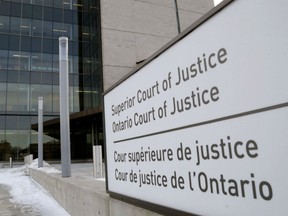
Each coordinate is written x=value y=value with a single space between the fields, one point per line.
x=107 y=39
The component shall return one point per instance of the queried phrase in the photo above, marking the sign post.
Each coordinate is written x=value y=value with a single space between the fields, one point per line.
x=205 y=119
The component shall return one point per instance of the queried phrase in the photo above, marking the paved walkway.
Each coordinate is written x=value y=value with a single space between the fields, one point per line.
x=8 y=208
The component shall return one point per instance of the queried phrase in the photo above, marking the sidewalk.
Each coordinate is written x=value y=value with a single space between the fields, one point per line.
x=7 y=208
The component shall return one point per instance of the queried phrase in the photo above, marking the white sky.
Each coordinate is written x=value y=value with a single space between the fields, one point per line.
x=27 y=193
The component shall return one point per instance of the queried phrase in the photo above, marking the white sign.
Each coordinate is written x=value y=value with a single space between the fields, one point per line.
x=203 y=127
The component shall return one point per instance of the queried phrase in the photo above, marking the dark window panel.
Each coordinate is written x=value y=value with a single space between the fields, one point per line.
x=3 y=76
x=5 y=8
x=4 y=42
x=36 y=45
x=24 y=77
x=5 y=24
x=35 y=78
x=68 y=16
x=37 y=12
x=14 y=42
x=27 y=11
x=55 y=78
x=48 y=13
x=47 y=78
x=12 y=122
x=24 y=122
x=55 y=46
x=12 y=76
x=25 y=44
x=47 y=45
x=16 y=9
x=57 y=15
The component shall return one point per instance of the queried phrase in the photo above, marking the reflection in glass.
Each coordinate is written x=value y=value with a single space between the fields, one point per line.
x=4 y=24
x=2 y=98
x=3 y=59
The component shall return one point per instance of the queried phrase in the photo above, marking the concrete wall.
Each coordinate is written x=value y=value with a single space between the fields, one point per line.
x=82 y=196
x=132 y=30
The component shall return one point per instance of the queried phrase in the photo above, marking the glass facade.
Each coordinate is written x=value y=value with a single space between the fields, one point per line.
x=29 y=68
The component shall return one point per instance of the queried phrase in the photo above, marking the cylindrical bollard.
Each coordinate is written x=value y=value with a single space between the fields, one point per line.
x=11 y=163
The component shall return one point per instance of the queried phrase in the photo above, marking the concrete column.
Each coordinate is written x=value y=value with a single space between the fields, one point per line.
x=64 y=107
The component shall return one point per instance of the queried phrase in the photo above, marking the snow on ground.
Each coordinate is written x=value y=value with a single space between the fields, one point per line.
x=28 y=193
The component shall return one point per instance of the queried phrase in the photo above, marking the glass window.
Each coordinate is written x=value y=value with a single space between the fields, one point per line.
x=77 y=5
x=4 y=24
x=48 y=3
x=57 y=15
x=47 y=62
x=47 y=78
x=58 y=3
x=25 y=27
x=56 y=104
x=12 y=98
x=24 y=77
x=19 y=60
x=23 y=97
x=47 y=46
x=60 y=29
x=27 y=11
x=47 y=95
x=41 y=62
x=12 y=76
x=74 y=101
x=39 y=2
x=35 y=78
x=4 y=41
x=47 y=29
x=23 y=142
x=55 y=78
x=25 y=61
x=35 y=93
x=37 y=12
x=76 y=80
x=15 y=25
x=15 y=9
x=3 y=77
x=56 y=46
x=68 y=16
x=2 y=97
x=14 y=60
x=67 y=4
x=48 y=13
x=56 y=63
x=26 y=44
x=24 y=122
x=86 y=65
x=36 y=44
x=75 y=32
x=3 y=58
x=75 y=64
x=14 y=42
x=11 y=122
x=37 y=28
x=5 y=8
x=2 y=127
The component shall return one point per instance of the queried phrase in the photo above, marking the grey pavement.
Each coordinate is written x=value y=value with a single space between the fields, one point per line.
x=8 y=208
